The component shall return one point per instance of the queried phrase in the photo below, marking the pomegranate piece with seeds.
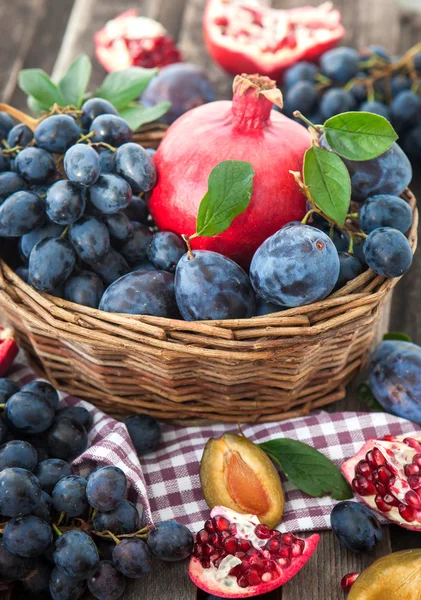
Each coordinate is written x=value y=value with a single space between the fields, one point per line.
x=252 y=560
x=133 y=41
x=386 y=475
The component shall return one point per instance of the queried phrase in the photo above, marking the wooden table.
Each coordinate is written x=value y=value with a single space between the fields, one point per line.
x=49 y=34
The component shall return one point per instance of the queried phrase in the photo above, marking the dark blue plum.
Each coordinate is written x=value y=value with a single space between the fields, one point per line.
x=8 y=387
x=77 y=413
x=295 y=266
x=170 y=541
x=184 y=85
x=23 y=273
x=90 y=238
x=340 y=64
x=376 y=107
x=43 y=389
x=119 y=226
x=94 y=107
x=151 y=152
x=405 y=110
x=110 y=129
x=38 y=441
x=50 y=471
x=137 y=210
x=63 y=587
x=57 y=133
x=50 y=263
x=110 y=194
x=132 y=557
x=19 y=135
x=358 y=251
x=69 y=496
x=13 y=567
x=107 y=583
x=385 y=211
x=82 y=164
x=10 y=183
x=106 y=488
x=266 y=308
x=84 y=288
x=395 y=378
x=356 y=526
x=4 y=162
x=145 y=265
x=387 y=252
x=20 y=213
x=44 y=509
x=66 y=439
x=211 y=286
x=65 y=201
x=35 y=165
x=29 y=240
x=302 y=96
x=37 y=583
x=339 y=238
x=18 y=453
x=76 y=555
x=165 y=250
x=134 y=250
x=145 y=432
x=134 y=164
x=28 y=536
x=121 y=520
x=107 y=161
x=349 y=268
x=301 y=71
x=20 y=492
x=111 y=267
x=399 y=83
x=6 y=124
x=28 y=413
x=336 y=101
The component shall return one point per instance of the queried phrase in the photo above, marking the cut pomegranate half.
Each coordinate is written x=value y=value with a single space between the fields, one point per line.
x=130 y=40
x=386 y=474
x=248 y=36
x=235 y=556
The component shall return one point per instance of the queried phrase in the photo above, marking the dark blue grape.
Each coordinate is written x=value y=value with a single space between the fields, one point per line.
x=43 y=389
x=110 y=129
x=387 y=252
x=297 y=265
x=90 y=239
x=76 y=555
x=336 y=101
x=411 y=143
x=77 y=413
x=19 y=135
x=376 y=107
x=8 y=387
x=29 y=240
x=359 y=89
x=107 y=583
x=69 y=496
x=13 y=567
x=63 y=587
x=10 y=183
x=349 y=268
x=57 y=133
x=4 y=432
x=145 y=432
x=66 y=439
x=37 y=582
x=165 y=250
x=18 y=454
x=20 y=492
x=142 y=293
x=301 y=71
x=340 y=64
x=134 y=164
x=28 y=412
x=302 y=96
x=82 y=164
x=50 y=471
x=6 y=124
x=35 y=165
x=170 y=541
x=28 y=536
x=211 y=286
x=85 y=288
x=132 y=557
x=50 y=263
x=107 y=161
x=405 y=110
x=385 y=211
x=134 y=250
x=94 y=107
x=379 y=51
x=106 y=488
x=266 y=308
x=105 y=548
x=20 y=213
x=399 y=83
x=417 y=61
x=110 y=194
x=137 y=210
x=111 y=267
x=44 y=509
x=65 y=201
x=4 y=162
x=356 y=526
x=121 y=520
x=119 y=226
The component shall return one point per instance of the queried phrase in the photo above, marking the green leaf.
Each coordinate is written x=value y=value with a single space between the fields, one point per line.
x=328 y=180
x=397 y=335
x=359 y=135
x=310 y=470
x=36 y=83
x=137 y=115
x=74 y=83
x=230 y=186
x=34 y=106
x=365 y=394
x=121 y=87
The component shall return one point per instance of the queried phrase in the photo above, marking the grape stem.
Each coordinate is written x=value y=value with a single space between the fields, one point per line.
x=30 y=122
x=105 y=145
x=61 y=518
x=57 y=530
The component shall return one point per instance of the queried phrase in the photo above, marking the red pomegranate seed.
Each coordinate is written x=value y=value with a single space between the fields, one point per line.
x=253 y=576
x=214 y=540
x=413 y=499
x=287 y=539
x=378 y=457
x=369 y=458
x=230 y=545
x=197 y=550
x=273 y=545
x=363 y=468
x=244 y=545
x=381 y=504
x=413 y=444
x=284 y=562
x=362 y=486
x=207 y=550
x=389 y=499
x=411 y=470
x=389 y=438
x=382 y=474
x=381 y=488
x=209 y=526
x=407 y=512
x=202 y=536
x=243 y=582
x=414 y=481
x=417 y=460
x=233 y=529
x=205 y=562
x=252 y=552
x=348 y=580
x=298 y=548
x=240 y=555
x=220 y=523
x=215 y=555
x=285 y=552
x=223 y=535
x=236 y=571
x=263 y=532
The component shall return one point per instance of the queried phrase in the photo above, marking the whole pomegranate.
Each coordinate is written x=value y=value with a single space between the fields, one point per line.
x=245 y=129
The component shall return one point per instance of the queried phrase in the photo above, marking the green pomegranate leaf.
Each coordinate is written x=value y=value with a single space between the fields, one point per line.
x=328 y=180
x=308 y=469
x=75 y=81
x=137 y=115
x=230 y=186
x=122 y=87
x=359 y=135
x=36 y=83
x=397 y=335
x=34 y=106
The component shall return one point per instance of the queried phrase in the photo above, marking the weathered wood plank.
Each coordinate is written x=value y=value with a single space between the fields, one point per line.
x=165 y=581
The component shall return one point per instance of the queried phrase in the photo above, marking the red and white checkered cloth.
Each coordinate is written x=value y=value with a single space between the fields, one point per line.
x=166 y=482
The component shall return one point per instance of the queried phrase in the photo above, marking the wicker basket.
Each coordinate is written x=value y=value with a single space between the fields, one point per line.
x=261 y=369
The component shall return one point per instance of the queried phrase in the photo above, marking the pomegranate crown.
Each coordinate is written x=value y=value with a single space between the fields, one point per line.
x=263 y=86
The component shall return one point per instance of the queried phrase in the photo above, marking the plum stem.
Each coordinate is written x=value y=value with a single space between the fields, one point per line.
x=187 y=239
